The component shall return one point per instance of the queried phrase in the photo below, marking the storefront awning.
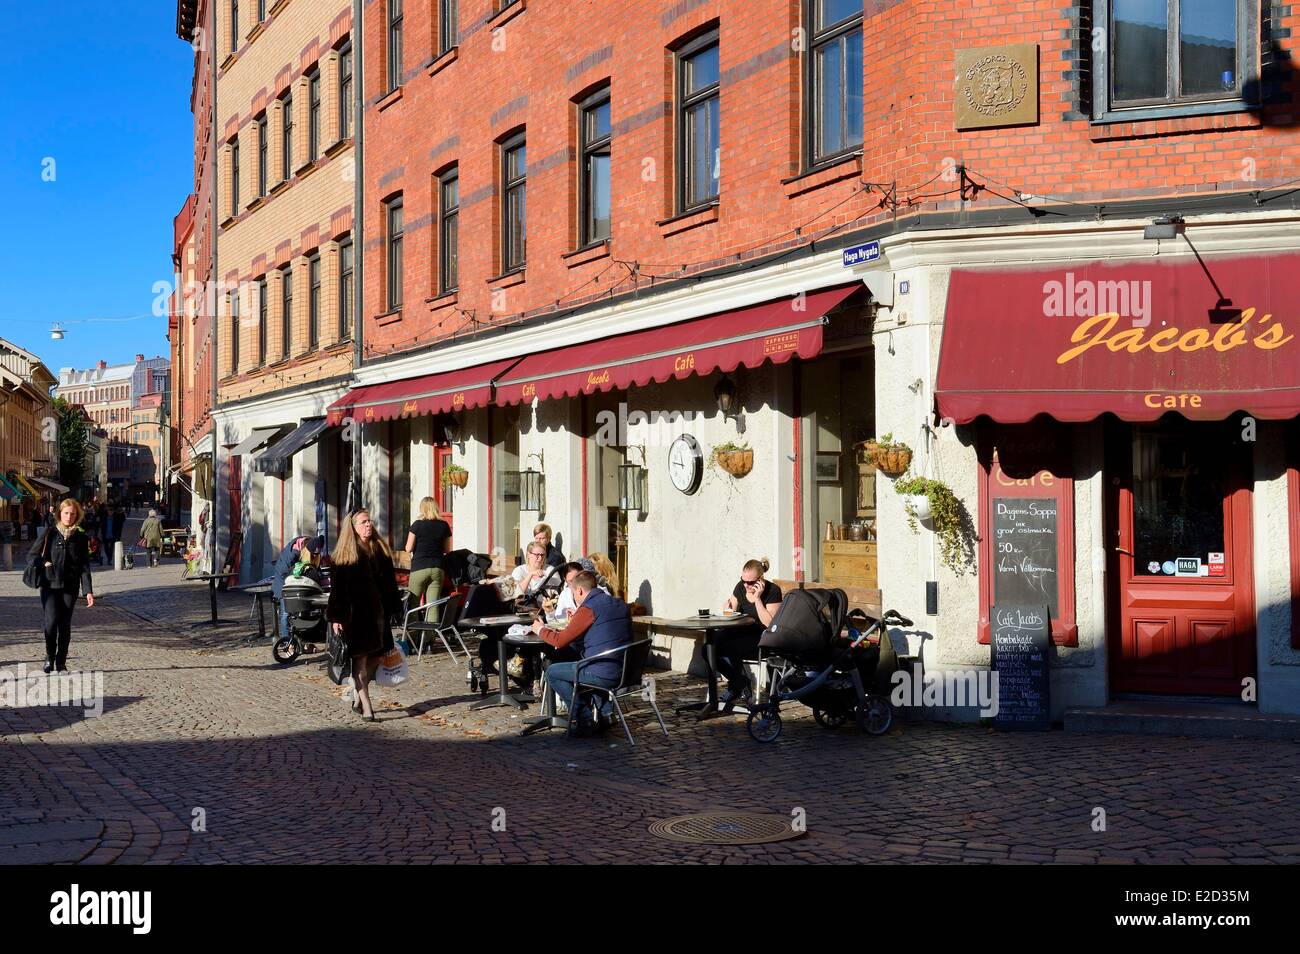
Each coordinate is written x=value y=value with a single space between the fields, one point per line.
x=53 y=485
x=1135 y=339
x=775 y=331
x=260 y=437
x=24 y=485
x=414 y=397
x=276 y=457
x=8 y=492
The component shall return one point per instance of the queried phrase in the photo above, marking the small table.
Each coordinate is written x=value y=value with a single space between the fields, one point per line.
x=710 y=626
x=548 y=719
x=259 y=592
x=496 y=627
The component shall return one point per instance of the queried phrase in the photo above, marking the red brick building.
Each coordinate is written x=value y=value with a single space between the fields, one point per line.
x=788 y=227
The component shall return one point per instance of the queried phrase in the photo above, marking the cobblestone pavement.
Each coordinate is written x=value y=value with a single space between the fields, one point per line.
x=283 y=771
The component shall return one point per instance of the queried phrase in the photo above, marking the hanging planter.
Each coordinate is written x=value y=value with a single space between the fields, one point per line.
x=455 y=475
x=735 y=459
x=933 y=501
x=889 y=457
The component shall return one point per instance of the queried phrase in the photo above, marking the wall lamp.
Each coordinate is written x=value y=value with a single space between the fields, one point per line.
x=1165 y=227
x=631 y=483
x=532 y=485
x=451 y=431
x=724 y=392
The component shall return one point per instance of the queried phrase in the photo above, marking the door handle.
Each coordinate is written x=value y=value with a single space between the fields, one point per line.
x=1125 y=552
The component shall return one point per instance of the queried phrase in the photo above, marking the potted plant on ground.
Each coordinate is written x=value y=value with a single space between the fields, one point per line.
x=735 y=459
x=455 y=474
x=890 y=457
x=926 y=499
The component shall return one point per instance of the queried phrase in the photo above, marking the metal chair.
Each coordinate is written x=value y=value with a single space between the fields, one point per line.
x=449 y=613
x=635 y=657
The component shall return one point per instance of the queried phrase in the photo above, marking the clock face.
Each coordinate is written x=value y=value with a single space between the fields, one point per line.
x=685 y=464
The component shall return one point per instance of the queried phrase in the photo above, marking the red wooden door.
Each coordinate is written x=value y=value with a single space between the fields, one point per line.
x=442 y=492
x=1184 y=615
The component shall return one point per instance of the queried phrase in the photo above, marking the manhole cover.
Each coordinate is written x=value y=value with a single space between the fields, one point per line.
x=725 y=828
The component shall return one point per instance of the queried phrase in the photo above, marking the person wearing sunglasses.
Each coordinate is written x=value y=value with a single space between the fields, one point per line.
x=758 y=599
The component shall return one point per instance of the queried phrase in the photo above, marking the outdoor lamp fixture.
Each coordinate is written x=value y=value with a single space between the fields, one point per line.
x=631 y=484
x=56 y=332
x=724 y=392
x=451 y=431
x=531 y=485
x=1164 y=227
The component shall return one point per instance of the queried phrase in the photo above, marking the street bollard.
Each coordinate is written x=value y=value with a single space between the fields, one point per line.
x=7 y=555
x=119 y=556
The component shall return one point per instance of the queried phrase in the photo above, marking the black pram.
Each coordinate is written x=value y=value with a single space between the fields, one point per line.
x=812 y=661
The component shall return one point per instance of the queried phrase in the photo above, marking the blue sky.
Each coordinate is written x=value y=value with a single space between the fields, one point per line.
x=102 y=89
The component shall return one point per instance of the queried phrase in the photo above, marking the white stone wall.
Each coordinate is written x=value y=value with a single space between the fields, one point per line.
x=1278 y=663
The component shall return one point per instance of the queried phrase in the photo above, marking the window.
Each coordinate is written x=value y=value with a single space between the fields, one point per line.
x=1172 y=57
x=261 y=155
x=345 y=289
x=448 y=231
x=699 y=156
x=448 y=25
x=234 y=25
x=514 y=167
x=394 y=44
x=286 y=137
x=262 y=305
x=313 y=115
x=345 y=91
x=834 y=79
x=286 y=310
x=234 y=177
x=234 y=332
x=593 y=173
x=393 y=217
x=313 y=302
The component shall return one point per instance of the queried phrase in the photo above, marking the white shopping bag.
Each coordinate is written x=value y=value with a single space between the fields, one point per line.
x=393 y=670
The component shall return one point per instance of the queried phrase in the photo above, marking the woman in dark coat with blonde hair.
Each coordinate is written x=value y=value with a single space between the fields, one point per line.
x=363 y=600
x=64 y=549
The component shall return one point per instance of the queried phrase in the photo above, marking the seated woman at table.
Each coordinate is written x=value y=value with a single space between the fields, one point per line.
x=758 y=599
x=533 y=572
x=542 y=534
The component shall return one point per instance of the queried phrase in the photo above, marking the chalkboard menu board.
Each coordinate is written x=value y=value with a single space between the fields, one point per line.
x=1021 y=637
x=1024 y=552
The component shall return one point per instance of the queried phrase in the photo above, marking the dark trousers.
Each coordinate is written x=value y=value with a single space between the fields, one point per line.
x=731 y=651
x=58 y=605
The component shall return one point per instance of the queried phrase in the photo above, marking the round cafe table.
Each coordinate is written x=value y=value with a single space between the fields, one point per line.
x=711 y=626
x=496 y=627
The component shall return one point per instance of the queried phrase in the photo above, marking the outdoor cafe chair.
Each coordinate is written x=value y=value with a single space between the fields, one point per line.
x=445 y=625
x=635 y=657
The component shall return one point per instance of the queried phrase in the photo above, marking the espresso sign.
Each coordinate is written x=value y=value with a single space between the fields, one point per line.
x=1024 y=551
x=1020 y=639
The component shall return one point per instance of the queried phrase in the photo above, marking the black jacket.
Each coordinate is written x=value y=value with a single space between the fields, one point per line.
x=71 y=559
x=364 y=598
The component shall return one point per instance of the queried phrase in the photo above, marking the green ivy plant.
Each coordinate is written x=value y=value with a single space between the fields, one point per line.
x=887 y=442
x=730 y=447
x=448 y=471
x=948 y=517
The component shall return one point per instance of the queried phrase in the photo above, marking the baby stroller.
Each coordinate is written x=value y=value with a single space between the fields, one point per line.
x=306 y=619
x=813 y=662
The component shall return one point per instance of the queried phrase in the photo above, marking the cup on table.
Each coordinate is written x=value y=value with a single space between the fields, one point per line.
x=703 y=613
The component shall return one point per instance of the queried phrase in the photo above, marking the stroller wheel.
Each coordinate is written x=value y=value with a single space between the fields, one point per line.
x=879 y=715
x=286 y=649
x=764 y=723
x=830 y=719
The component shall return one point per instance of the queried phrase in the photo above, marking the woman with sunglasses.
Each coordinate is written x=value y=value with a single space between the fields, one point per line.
x=759 y=599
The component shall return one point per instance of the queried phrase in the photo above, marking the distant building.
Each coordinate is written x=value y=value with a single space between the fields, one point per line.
x=28 y=462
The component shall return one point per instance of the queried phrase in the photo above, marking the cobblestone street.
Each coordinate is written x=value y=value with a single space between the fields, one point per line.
x=283 y=771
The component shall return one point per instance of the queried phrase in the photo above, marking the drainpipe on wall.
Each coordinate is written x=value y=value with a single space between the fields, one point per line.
x=353 y=497
x=212 y=319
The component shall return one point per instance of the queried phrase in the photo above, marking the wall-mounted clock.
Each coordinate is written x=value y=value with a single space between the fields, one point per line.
x=685 y=464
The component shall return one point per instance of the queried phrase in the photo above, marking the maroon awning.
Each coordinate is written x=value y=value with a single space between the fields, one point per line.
x=414 y=397
x=1136 y=339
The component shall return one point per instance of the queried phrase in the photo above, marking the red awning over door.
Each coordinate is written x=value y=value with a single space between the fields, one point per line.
x=1136 y=339
x=412 y=397
x=774 y=331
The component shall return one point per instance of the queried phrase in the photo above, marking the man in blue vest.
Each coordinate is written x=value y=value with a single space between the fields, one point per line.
x=601 y=623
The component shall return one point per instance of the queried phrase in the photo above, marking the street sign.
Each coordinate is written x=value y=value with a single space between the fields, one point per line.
x=861 y=254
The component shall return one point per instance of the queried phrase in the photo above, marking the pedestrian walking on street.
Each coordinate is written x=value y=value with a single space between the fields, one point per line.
x=428 y=540
x=363 y=600
x=152 y=535
x=65 y=550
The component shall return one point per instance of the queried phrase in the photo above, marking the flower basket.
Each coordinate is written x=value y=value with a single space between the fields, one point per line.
x=892 y=460
x=456 y=476
x=737 y=463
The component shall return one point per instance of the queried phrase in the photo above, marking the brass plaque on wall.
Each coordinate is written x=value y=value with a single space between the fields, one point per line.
x=997 y=86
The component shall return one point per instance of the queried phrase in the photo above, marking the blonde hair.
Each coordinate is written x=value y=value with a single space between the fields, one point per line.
x=544 y=528
x=605 y=567
x=75 y=505
x=349 y=548
x=429 y=509
x=758 y=566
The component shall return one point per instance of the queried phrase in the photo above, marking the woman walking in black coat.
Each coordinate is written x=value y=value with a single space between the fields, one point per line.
x=64 y=548
x=363 y=600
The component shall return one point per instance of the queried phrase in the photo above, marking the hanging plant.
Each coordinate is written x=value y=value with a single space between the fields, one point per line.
x=455 y=475
x=933 y=501
x=890 y=457
x=735 y=459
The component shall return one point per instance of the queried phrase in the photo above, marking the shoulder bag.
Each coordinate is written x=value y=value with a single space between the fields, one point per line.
x=34 y=575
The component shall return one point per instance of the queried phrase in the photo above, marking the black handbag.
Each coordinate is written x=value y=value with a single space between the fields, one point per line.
x=340 y=660
x=34 y=575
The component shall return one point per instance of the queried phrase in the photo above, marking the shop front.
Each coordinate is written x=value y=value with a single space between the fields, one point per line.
x=1134 y=424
